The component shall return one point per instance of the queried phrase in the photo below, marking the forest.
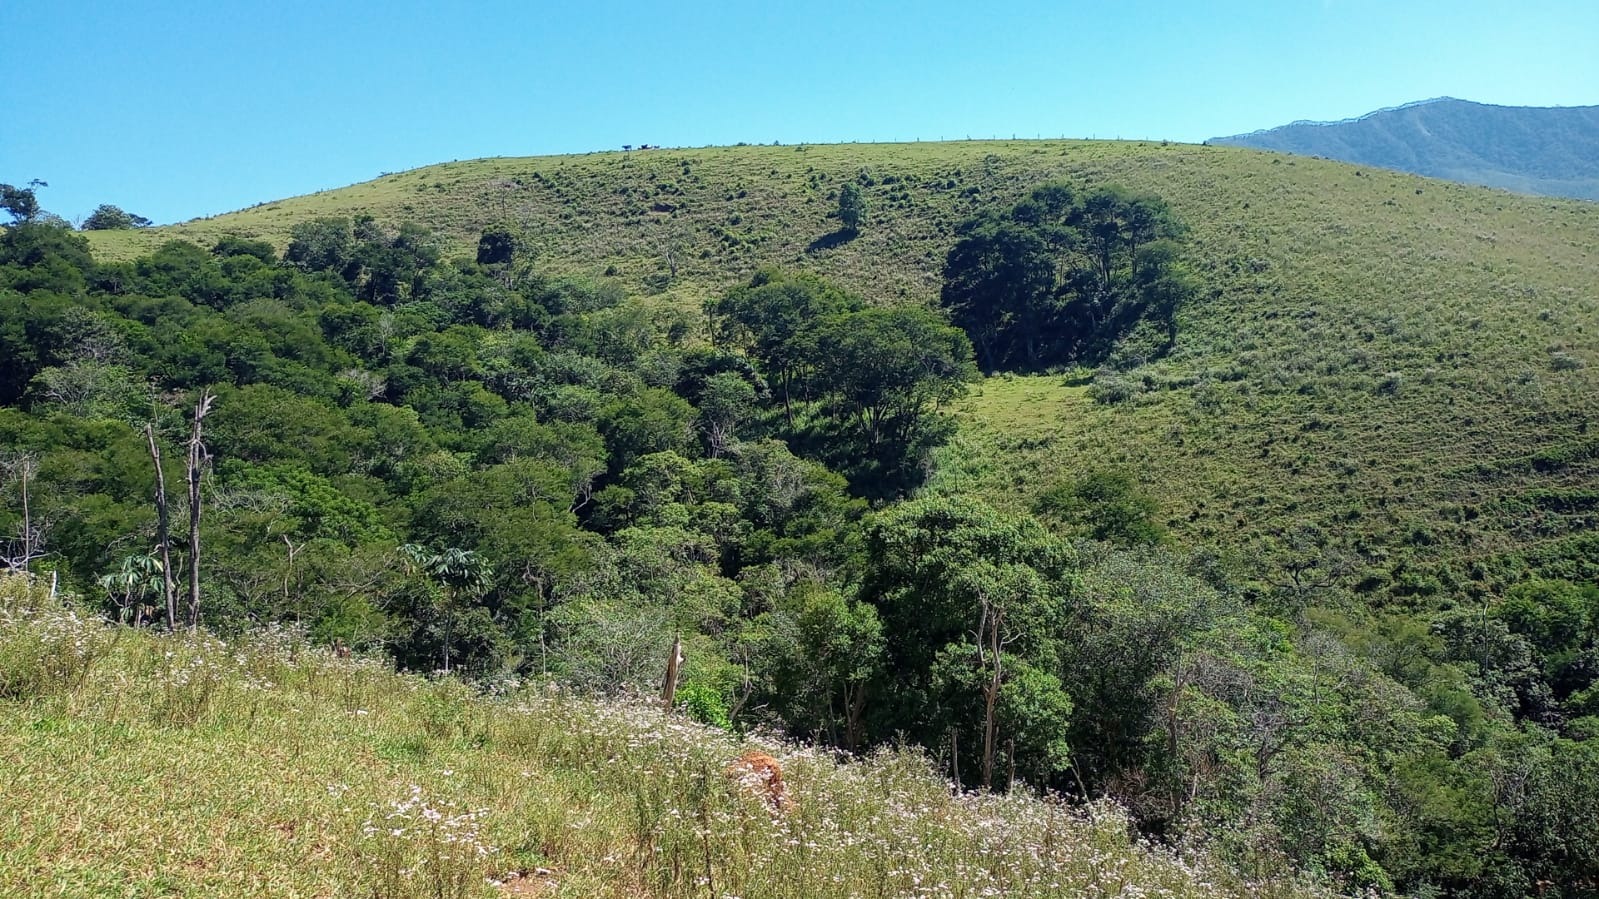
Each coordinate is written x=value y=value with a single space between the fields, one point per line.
x=467 y=464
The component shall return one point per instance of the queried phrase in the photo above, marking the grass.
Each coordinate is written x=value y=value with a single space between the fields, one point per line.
x=1408 y=364
x=152 y=765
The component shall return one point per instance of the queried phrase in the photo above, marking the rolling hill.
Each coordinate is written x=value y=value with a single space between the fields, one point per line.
x=1407 y=364
x=1530 y=150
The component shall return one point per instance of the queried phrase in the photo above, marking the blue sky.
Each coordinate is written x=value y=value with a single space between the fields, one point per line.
x=176 y=110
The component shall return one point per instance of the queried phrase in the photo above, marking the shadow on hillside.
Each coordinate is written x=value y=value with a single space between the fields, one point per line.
x=835 y=239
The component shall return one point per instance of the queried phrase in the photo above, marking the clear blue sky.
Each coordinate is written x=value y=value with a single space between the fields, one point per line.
x=175 y=110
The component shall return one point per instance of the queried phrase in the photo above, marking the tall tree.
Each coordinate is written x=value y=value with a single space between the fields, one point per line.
x=974 y=606
x=885 y=369
x=1061 y=277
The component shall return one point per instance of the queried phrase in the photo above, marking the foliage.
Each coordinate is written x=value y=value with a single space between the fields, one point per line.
x=1061 y=277
x=851 y=206
x=21 y=203
x=1339 y=660
x=973 y=605
x=1107 y=506
x=106 y=217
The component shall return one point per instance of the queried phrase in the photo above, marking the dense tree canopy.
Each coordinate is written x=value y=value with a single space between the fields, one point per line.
x=1061 y=277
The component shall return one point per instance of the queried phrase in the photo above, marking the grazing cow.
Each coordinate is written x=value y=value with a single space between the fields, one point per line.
x=762 y=775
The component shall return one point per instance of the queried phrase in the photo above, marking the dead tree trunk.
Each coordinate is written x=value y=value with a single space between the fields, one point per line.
x=27 y=516
x=993 y=619
x=673 y=668
x=163 y=529
x=18 y=555
x=197 y=459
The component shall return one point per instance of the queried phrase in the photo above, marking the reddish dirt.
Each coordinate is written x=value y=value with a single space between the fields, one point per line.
x=534 y=883
x=763 y=775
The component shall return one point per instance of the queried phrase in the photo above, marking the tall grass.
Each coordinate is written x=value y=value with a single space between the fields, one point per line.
x=178 y=765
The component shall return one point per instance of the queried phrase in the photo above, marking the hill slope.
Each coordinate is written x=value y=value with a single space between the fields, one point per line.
x=1551 y=151
x=144 y=765
x=1405 y=363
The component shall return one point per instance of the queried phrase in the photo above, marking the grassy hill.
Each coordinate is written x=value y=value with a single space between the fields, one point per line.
x=1551 y=151
x=1406 y=363
x=147 y=765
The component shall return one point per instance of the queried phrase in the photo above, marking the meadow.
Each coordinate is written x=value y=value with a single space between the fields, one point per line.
x=143 y=764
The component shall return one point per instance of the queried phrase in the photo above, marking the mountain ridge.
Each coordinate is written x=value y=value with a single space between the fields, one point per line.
x=1548 y=151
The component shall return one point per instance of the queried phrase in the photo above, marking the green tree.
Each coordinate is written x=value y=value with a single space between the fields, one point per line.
x=727 y=401
x=974 y=606
x=21 y=203
x=461 y=573
x=1061 y=277
x=851 y=206
x=1105 y=505
x=498 y=245
x=112 y=218
x=324 y=244
x=772 y=319
x=886 y=369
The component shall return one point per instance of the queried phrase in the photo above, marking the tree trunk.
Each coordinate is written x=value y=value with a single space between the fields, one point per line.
x=163 y=530
x=449 y=628
x=955 y=756
x=991 y=696
x=990 y=701
x=27 y=520
x=197 y=457
x=854 y=711
x=673 y=668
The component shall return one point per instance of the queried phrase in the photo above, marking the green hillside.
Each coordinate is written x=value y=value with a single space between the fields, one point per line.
x=1290 y=556
x=1404 y=362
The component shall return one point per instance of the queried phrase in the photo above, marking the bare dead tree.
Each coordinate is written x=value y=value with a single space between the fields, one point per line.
x=288 y=571
x=29 y=542
x=163 y=528
x=990 y=640
x=197 y=459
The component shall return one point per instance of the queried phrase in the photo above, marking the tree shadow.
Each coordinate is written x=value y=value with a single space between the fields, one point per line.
x=835 y=239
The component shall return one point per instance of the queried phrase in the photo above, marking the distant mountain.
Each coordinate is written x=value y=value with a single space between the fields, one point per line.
x=1527 y=149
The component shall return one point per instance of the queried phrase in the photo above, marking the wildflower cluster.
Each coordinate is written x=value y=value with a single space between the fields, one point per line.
x=44 y=647
x=422 y=847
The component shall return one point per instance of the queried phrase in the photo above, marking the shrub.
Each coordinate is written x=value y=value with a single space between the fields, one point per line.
x=1111 y=387
x=704 y=704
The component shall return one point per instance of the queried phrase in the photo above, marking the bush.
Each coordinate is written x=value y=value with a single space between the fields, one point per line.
x=1111 y=387
x=704 y=704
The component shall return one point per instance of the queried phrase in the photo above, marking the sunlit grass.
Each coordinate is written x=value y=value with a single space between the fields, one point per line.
x=185 y=766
